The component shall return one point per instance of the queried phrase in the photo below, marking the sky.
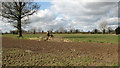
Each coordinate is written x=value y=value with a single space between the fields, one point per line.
x=76 y=14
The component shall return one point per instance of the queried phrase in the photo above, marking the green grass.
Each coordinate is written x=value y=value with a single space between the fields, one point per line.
x=101 y=38
x=106 y=38
x=25 y=36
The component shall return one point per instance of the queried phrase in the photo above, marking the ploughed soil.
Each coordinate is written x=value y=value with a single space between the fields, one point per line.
x=46 y=53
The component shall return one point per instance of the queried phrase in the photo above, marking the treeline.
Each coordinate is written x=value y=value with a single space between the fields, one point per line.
x=75 y=31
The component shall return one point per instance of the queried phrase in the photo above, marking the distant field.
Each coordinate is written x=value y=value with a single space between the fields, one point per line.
x=106 y=38
x=100 y=38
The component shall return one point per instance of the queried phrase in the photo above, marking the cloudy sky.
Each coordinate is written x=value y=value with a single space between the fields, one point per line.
x=73 y=13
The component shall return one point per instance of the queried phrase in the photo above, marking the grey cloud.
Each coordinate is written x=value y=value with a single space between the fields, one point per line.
x=97 y=5
x=86 y=14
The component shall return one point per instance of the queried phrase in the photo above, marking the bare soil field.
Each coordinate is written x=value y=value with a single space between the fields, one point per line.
x=19 y=52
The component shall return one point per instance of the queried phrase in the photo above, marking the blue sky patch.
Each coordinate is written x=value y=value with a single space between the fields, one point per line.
x=44 y=5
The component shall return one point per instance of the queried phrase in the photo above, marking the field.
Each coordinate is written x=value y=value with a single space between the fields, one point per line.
x=100 y=38
x=81 y=50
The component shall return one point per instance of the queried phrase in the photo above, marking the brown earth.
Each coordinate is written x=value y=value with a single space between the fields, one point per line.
x=103 y=53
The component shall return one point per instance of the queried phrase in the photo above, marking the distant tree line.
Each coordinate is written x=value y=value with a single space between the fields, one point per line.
x=65 y=31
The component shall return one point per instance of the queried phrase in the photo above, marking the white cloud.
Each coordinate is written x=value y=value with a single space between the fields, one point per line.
x=82 y=15
x=85 y=15
x=43 y=19
x=5 y=27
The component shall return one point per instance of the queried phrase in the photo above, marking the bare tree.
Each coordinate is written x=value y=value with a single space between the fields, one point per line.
x=109 y=30
x=33 y=30
x=39 y=29
x=15 y=12
x=103 y=26
x=62 y=30
x=72 y=29
x=56 y=31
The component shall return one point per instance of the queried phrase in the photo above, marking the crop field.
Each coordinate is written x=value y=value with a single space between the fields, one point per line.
x=79 y=50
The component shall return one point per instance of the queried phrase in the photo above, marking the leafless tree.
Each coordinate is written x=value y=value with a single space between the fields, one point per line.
x=103 y=26
x=72 y=29
x=17 y=12
x=109 y=30
x=39 y=29
x=62 y=30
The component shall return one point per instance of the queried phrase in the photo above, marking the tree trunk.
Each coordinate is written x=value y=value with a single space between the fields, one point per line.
x=19 y=20
x=19 y=28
